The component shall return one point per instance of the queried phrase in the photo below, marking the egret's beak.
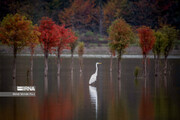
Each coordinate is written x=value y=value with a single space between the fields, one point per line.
x=99 y=63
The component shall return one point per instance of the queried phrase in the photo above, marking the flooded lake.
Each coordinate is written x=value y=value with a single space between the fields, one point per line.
x=75 y=99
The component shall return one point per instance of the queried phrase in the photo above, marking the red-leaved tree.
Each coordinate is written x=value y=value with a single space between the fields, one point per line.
x=67 y=36
x=49 y=38
x=146 y=41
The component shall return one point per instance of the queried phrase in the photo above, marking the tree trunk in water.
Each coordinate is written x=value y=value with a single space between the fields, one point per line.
x=119 y=68
x=14 y=69
x=145 y=70
x=158 y=62
x=80 y=63
x=58 y=70
x=72 y=61
x=31 y=69
x=46 y=73
x=165 y=65
x=119 y=82
x=155 y=64
x=72 y=64
x=165 y=71
x=111 y=63
x=165 y=81
x=145 y=66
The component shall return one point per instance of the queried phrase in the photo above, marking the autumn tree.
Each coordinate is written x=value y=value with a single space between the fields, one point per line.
x=15 y=31
x=112 y=10
x=80 y=15
x=49 y=38
x=157 y=49
x=120 y=34
x=141 y=12
x=72 y=47
x=171 y=35
x=33 y=41
x=112 y=52
x=80 y=53
x=67 y=37
x=146 y=41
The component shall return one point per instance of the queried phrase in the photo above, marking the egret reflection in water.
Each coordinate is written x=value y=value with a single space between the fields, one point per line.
x=94 y=97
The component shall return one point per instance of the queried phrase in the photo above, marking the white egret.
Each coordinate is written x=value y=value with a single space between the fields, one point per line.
x=94 y=76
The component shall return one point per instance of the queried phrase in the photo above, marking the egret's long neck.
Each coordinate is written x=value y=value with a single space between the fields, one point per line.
x=96 y=68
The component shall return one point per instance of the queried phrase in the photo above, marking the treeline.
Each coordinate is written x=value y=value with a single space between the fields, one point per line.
x=160 y=41
x=18 y=32
x=97 y=15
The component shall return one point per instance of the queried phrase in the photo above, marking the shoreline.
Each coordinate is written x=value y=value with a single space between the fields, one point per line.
x=94 y=56
x=90 y=52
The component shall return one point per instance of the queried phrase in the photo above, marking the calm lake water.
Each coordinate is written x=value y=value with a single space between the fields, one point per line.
x=74 y=99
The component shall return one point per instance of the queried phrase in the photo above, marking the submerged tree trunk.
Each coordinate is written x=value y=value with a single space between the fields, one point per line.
x=155 y=65
x=31 y=70
x=119 y=67
x=145 y=70
x=72 y=64
x=14 y=69
x=111 y=63
x=58 y=70
x=158 y=62
x=72 y=61
x=165 y=65
x=46 y=73
x=81 y=62
x=145 y=66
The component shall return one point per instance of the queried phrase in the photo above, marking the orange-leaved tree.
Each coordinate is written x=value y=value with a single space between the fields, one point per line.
x=120 y=34
x=112 y=11
x=49 y=38
x=33 y=41
x=80 y=15
x=15 y=31
x=146 y=41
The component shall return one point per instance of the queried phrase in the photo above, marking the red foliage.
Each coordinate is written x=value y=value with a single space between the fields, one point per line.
x=67 y=36
x=79 y=14
x=53 y=35
x=147 y=39
x=49 y=34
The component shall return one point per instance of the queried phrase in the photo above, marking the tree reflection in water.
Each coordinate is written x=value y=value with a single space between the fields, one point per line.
x=146 y=107
x=57 y=109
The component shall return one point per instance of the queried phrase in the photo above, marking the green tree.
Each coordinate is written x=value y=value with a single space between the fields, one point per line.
x=14 y=32
x=171 y=35
x=72 y=47
x=120 y=35
x=80 y=53
x=157 y=48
